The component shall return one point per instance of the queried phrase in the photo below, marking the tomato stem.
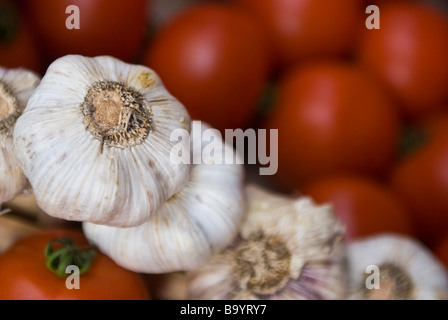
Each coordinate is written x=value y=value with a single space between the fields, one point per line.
x=57 y=260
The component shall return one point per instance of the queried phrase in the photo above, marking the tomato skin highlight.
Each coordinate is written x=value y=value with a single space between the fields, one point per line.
x=331 y=118
x=25 y=276
x=364 y=206
x=214 y=59
x=408 y=54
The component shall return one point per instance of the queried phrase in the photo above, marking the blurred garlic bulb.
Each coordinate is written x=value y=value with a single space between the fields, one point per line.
x=394 y=267
x=94 y=141
x=12 y=228
x=192 y=225
x=16 y=87
x=288 y=248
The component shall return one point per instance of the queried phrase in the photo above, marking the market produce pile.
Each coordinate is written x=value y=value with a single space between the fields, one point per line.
x=233 y=149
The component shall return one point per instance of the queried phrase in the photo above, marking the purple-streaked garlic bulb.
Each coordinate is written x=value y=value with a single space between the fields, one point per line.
x=287 y=248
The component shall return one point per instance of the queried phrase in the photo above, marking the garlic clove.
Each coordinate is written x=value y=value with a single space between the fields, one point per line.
x=94 y=141
x=287 y=248
x=192 y=225
x=394 y=267
x=16 y=87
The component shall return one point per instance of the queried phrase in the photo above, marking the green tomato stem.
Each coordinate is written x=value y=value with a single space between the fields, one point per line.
x=68 y=254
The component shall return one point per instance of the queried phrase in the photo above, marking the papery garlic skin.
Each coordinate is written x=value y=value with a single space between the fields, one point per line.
x=94 y=141
x=417 y=273
x=198 y=221
x=287 y=248
x=16 y=87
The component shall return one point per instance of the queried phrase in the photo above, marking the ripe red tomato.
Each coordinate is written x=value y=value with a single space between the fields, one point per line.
x=26 y=277
x=302 y=29
x=365 y=206
x=107 y=27
x=17 y=46
x=433 y=125
x=421 y=179
x=214 y=59
x=408 y=54
x=331 y=118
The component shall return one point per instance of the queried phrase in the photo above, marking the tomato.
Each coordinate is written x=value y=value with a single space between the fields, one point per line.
x=408 y=54
x=214 y=59
x=331 y=118
x=106 y=27
x=421 y=179
x=433 y=125
x=440 y=249
x=25 y=275
x=363 y=205
x=302 y=29
x=17 y=46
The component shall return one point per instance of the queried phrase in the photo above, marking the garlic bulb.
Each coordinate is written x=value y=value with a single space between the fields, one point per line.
x=288 y=248
x=94 y=141
x=394 y=267
x=192 y=225
x=16 y=87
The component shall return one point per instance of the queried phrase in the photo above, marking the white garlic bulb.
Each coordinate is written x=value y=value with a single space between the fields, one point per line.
x=394 y=267
x=288 y=248
x=94 y=141
x=16 y=87
x=192 y=225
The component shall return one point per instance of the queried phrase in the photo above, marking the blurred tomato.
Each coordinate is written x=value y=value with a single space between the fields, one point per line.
x=300 y=29
x=213 y=58
x=331 y=118
x=17 y=46
x=408 y=54
x=441 y=250
x=362 y=204
x=421 y=179
x=107 y=27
